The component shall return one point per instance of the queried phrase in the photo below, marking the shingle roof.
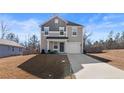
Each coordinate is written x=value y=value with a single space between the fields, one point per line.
x=9 y=43
x=67 y=21
x=72 y=23
x=56 y=37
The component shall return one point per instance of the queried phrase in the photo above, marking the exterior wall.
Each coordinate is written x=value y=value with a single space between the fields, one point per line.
x=7 y=51
x=54 y=31
x=43 y=42
x=51 y=45
x=54 y=27
x=78 y=37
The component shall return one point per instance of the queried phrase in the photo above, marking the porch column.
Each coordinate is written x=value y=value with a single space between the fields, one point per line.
x=47 y=45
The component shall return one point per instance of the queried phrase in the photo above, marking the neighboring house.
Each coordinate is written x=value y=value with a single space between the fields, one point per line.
x=62 y=35
x=9 y=48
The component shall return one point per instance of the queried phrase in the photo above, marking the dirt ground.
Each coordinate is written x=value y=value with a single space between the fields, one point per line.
x=112 y=57
x=34 y=67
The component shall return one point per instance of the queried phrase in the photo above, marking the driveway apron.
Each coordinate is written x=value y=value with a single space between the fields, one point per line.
x=85 y=67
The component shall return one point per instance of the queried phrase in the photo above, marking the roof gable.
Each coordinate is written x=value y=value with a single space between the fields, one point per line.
x=53 y=19
x=66 y=21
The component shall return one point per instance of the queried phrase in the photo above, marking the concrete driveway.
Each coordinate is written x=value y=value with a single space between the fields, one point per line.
x=85 y=67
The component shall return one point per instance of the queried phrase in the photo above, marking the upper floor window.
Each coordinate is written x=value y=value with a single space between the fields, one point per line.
x=61 y=29
x=74 y=31
x=46 y=30
x=56 y=21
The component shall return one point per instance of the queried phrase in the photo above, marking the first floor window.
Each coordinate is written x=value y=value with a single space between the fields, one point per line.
x=55 y=45
x=13 y=49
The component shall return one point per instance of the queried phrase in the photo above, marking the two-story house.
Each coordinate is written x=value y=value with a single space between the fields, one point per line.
x=62 y=35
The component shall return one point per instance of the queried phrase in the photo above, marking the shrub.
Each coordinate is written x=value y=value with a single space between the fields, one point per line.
x=43 y=51
x=52 y=52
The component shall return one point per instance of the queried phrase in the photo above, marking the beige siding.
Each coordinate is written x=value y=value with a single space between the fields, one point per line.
x=77 y=38
x=51 y=45
x=43 y=42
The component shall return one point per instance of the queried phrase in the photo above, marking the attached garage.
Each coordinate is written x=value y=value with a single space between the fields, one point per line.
x=73 y=47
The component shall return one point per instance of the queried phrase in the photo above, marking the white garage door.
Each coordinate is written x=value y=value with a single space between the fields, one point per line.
x=73 y=47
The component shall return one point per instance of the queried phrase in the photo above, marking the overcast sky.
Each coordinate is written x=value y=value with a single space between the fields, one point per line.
x=27 y=24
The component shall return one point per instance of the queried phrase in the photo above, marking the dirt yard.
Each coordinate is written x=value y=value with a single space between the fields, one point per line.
x=35 y=67
x=112 y=57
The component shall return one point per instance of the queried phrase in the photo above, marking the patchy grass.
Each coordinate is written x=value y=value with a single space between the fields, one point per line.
x=45 y=66
x=112 y=57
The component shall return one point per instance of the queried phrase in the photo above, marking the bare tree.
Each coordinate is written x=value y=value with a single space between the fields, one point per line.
x=12 y=37
x=86 y=38
x=4 y=29
x=122 y=40
x=110 y=41
x=33 y=43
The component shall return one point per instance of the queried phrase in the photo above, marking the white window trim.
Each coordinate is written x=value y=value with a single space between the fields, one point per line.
x=44 y=31
x=74 y=35
x=62 y=31
x=45 y=34
x=62 y=28
x=76 y=32
x=62 y=35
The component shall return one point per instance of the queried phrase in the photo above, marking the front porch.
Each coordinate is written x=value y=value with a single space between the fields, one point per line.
x=58 y=44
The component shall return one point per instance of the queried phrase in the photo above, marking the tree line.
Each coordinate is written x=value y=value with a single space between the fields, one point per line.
x=112 y=42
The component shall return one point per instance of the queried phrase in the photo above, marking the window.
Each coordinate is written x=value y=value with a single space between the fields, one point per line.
x=46 y=33
x=56 y=21
x=61 y=33
x=46 y=29
x=61 y=29
x=74 y=31
x=55 y=45
x=13 y=49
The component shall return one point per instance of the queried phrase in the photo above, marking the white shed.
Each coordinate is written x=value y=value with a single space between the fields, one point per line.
x=10 y=48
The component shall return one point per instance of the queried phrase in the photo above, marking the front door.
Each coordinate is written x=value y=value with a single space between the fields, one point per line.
x=61 y=47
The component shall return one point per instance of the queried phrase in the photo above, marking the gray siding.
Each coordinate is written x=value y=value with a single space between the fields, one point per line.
x=52 y=26
x=7 y=51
